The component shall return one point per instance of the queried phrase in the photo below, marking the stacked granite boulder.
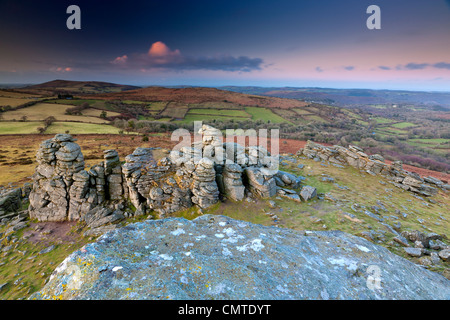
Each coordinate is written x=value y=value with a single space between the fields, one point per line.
x=199 y=174
x=152 y=185
x=204 y=186
x=58 y=160
x=374 y=164
x=63 y=190
x=113 y=173
x=233 y=186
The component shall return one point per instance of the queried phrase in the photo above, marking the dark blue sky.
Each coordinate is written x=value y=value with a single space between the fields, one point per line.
x=269 y=43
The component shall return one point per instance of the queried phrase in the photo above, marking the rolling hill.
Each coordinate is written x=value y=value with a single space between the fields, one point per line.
x=351 y=97
x=198 y=95
x=75 y=87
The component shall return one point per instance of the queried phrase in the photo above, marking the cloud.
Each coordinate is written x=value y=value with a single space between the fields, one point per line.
x=61 y=69
x=120 y=60
x=349 y=68
x=416 y=66
x=442 y=65
x=159 y=49
x=161 y=56
x=421 y=66
x=384 y=68
x=319 y=69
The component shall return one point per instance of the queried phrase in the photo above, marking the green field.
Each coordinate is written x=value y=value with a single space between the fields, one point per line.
x=264 y=114
x=403 y=125
x=175 y=110
x=383 y=120
x=220 y=112
x=91 y=112
x=40 y=111
x=315 y=118
x=390 y=130
x=78 y=102
x=302 y=111
x=156 y=106
x=208 y=117
x=10 y=127
x=81 y=128
x=431 y=141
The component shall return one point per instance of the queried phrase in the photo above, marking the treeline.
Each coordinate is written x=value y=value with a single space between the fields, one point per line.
x=128 y=111
x=24 y=105
x=77 y=110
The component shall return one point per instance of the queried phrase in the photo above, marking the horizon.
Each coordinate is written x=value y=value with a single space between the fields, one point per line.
x=300 y=44
x=226 y=85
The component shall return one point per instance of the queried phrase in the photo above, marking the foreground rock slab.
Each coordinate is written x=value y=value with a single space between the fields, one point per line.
x=216 y=257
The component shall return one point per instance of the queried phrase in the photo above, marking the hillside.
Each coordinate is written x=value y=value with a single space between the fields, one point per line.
x=74 y=87
x=414 y=134
x=201 y=95
x=351 y=97
x=357 y=202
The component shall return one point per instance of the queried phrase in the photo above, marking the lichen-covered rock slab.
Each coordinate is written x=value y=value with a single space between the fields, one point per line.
x=216 y=257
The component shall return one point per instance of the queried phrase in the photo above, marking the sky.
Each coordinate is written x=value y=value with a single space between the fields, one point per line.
x=297 y=43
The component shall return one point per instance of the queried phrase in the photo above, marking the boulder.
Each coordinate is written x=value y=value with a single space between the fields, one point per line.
x=260 y=182
x=216 y=257
x=308 y=193
x=232 y=181
x=414 y=252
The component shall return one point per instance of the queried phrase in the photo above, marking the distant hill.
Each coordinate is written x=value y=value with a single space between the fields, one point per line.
x=75 y=87
x=198 y=95
x=351 y=97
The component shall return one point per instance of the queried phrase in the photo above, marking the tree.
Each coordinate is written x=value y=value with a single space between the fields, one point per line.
x=49 y=120
x=41 y=130
x=24 y=118
x=103 y=114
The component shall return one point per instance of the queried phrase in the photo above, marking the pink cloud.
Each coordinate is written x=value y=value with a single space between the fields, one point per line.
x=159 y=49
x=61 y=69
x=120 y=60
x=159 y=55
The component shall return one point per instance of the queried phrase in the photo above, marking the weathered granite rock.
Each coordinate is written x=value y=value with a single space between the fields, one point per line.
x=286 y=179
x=444 y=254
x=414 y=252
x=232 y=181
x=113 y=173
x=204 y=187
x=374 y=164
x=260 y=181
x=308 y=193
x=58 y=160
x=196 y=174
x=216 y=257
x=11 y=200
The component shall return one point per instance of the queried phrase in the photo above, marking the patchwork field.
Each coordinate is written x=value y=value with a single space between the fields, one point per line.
x=81 y=128
x=41 y=111
x=12 y=127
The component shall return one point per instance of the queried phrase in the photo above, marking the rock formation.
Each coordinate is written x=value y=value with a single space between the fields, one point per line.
x=355 y=157
x=198 y=175
x=11 y=200
x=216 y=257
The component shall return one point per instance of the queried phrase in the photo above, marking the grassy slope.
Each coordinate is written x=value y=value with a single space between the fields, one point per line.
x=30 y=270
x=364 y=190
x=81 y=128
x=40 y=111
x=12 y=127
x=264 y=115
